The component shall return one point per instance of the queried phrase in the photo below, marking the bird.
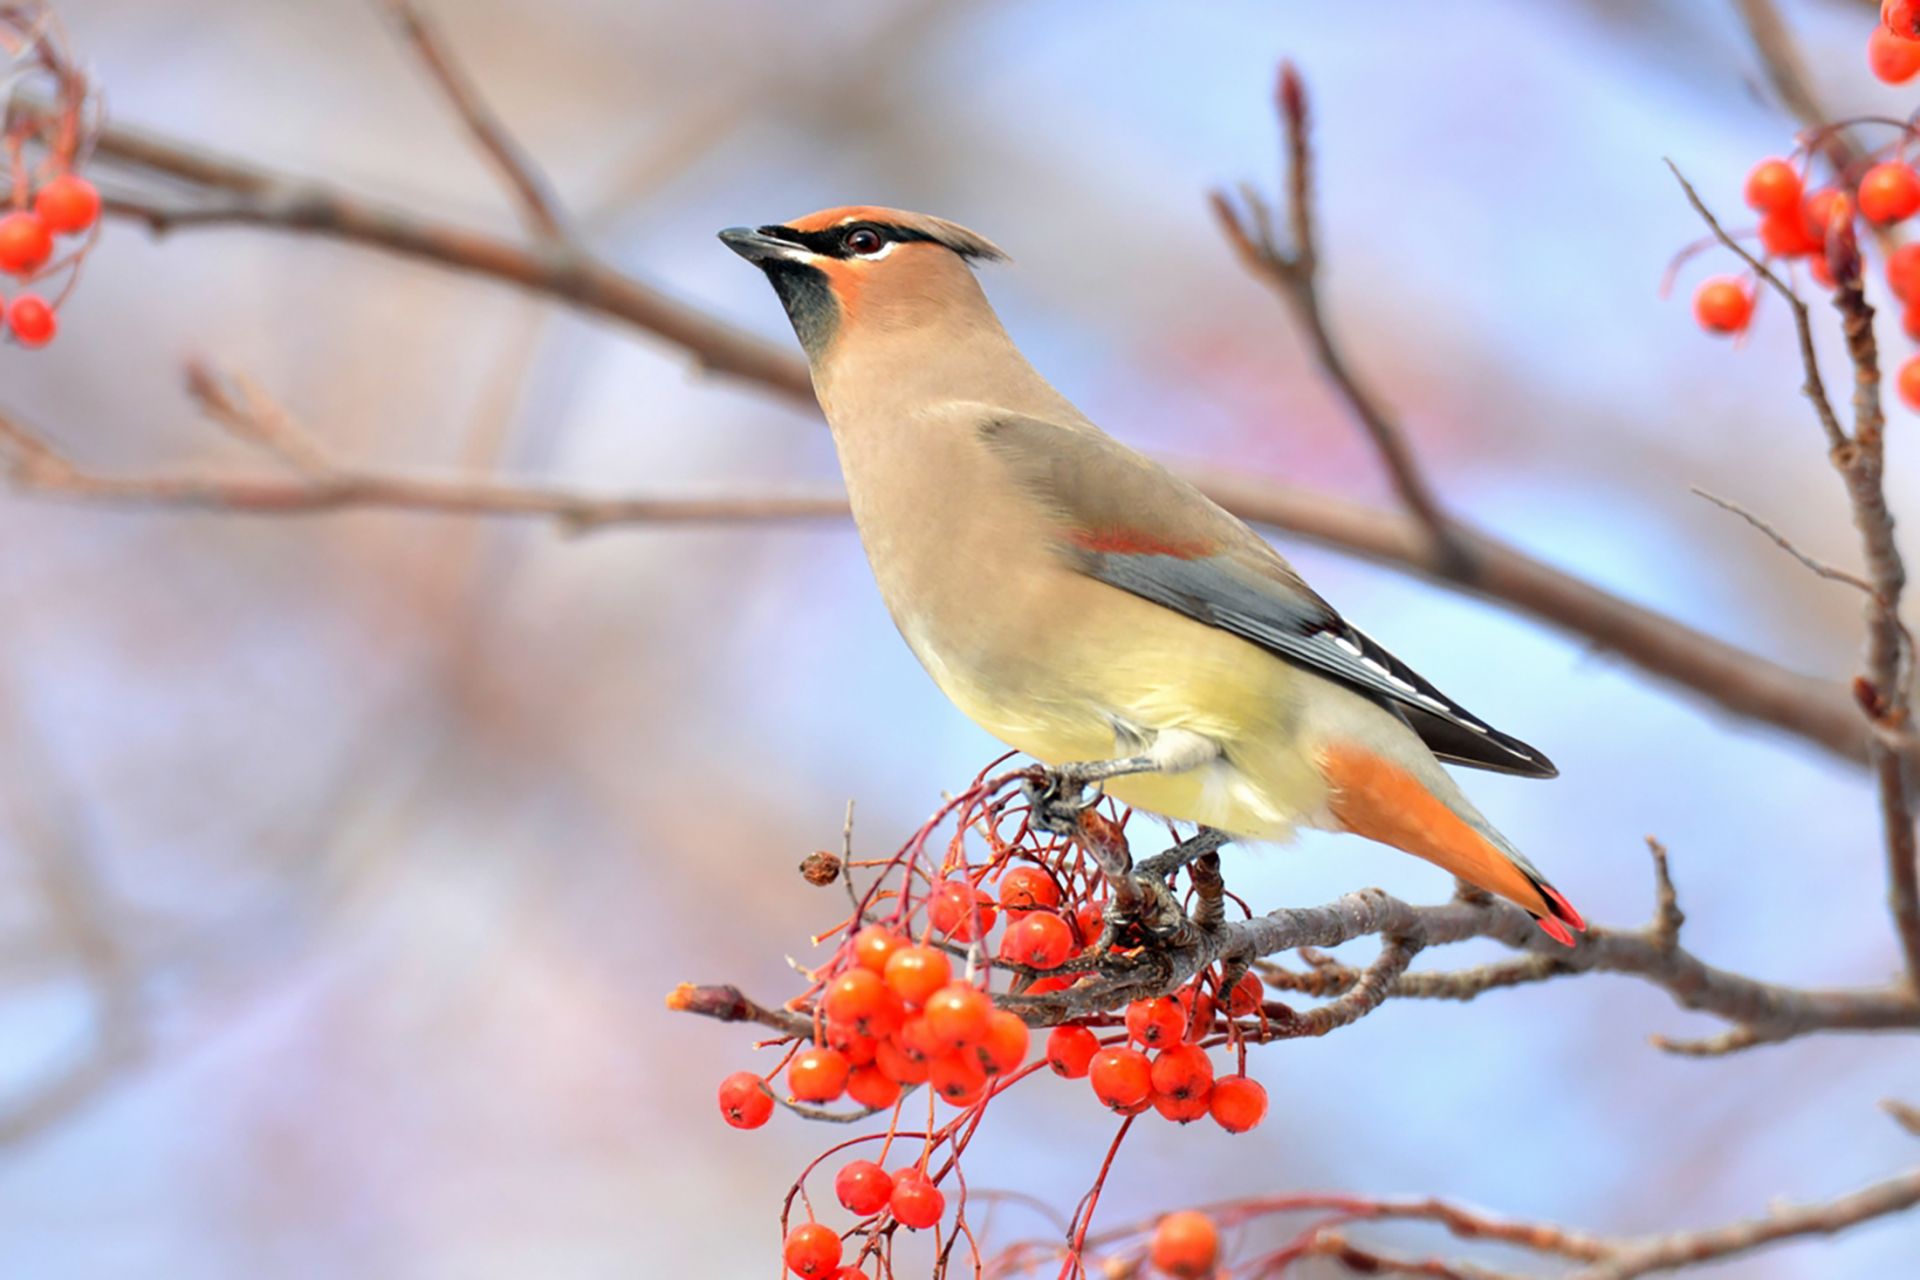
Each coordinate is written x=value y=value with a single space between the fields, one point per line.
x=1090 y=608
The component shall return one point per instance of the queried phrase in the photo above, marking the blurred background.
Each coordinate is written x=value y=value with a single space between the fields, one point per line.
x=386 y=835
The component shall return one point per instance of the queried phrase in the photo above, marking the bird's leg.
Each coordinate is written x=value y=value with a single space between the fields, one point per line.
x=1072 y=789
x=1198 y=845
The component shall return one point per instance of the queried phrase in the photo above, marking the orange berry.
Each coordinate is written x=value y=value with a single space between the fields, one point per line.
x=1903 y=270
x=1196 y=1006
x=818 y=1075
x=874 y=944
x=1157 y=1022
x=1823 y=209
x=745 y=1102
x=1004 y=1047
x=1773 y=187
x=31 y=321
x=68 y=204
x=957 y=1015
x=1237 y=1103
x=1121 y=1078
x=1181 y=1110
x=1184 y=1071
x=858 y=998
x=1889 y=192
x=1070 y=1051
x=1908 y=382
x=1893 y=59
x=958 y=1077
x=1723 y=305
x=848 y=1040
x=25 y=243
x=898 y=1065
x=960 y=911
x=917 y=972
x=1089 y=921
x=1186 y=1245
x=1248 y=995
x=872 y=1086
x=1023 y=888
x=916 y=1202
x=863 y=1187
x=1039 y=940
x=812 y=1250
x=1785 y=234
x=1901 y=17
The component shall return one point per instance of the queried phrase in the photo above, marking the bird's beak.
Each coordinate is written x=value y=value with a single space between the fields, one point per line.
x=758 y=246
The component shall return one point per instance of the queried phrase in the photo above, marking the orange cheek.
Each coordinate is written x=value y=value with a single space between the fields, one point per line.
x=846 y=281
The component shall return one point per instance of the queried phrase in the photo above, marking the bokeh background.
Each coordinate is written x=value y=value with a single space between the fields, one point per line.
x=392 y=832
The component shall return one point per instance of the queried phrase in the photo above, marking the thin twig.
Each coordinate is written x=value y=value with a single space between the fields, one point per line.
x=539 y=208
x=1817 y=567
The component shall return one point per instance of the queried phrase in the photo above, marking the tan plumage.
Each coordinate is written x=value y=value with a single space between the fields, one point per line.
x=1082 y=603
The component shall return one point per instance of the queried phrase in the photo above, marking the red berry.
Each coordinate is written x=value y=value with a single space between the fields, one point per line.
x=858 y=1048
x=1089 y=921
x=1237 y=1103
x=1894 y=59
x=1186 y=1245
x=916 y=1202
x=1908 y=381
x=1156 y=1022
x=1248 y=995
x=958 y=1077
x=1196 y=1007
x=68 y=204
x=1181 y=1110
x=860 y=999
x=1902 y=17
x=863 y=1187
x=1823 y=209
x=1889 y=192
x=25 y=243
x=1773 y=187
x=812 y=1250
x=898 y=1064
x=1004 y=1047
x=1023 y=888
x=1723 y=305
x=1821 y=272
x=874 y=944
x=851 y=1273
x=818 y=1075
x=745 y=1101
x=1121 y=1078
x=957 y=1015
x=1070 y=1051
x=32 y=321
x=1903 y=271
x=1039 y=940
x=872 y=1085
x=1785 y=234
x=915 y=973
x=960 y=911
x=1184 y=1071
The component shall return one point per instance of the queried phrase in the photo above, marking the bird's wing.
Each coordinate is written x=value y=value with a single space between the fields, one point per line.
x=1129 y=522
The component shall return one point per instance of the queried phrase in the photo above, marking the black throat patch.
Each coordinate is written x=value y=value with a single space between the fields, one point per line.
x=809 y=301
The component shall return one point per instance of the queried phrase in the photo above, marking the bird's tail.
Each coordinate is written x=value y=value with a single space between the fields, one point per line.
x=1422 y=812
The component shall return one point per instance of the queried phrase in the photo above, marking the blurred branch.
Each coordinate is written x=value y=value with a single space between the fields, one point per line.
x=1882 y=690
x=49 y=834
x=317 y=484
x=224 y=192
x=1294 y=275
x=539 y=208
x=1787 y=73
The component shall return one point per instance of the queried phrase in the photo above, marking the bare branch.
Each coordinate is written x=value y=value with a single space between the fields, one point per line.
x=538 y=206
x=1293 y=274
x=1819 y=568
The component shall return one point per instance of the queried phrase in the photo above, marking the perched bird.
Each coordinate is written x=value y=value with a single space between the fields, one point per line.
x=1090 y=608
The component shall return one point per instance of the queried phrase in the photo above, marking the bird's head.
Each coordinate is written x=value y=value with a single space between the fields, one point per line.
x=846 y=270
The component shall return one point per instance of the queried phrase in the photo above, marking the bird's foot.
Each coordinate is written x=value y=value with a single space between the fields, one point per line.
x=1059 y=798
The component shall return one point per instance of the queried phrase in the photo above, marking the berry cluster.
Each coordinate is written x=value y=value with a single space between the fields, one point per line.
x=44 y=198
x=934 y=981
x=1804 y=222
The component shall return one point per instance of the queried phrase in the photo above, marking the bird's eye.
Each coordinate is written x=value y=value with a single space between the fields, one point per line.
x=863 y=240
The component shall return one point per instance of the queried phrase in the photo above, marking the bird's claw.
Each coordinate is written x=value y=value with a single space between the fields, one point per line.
x=1058 y=798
